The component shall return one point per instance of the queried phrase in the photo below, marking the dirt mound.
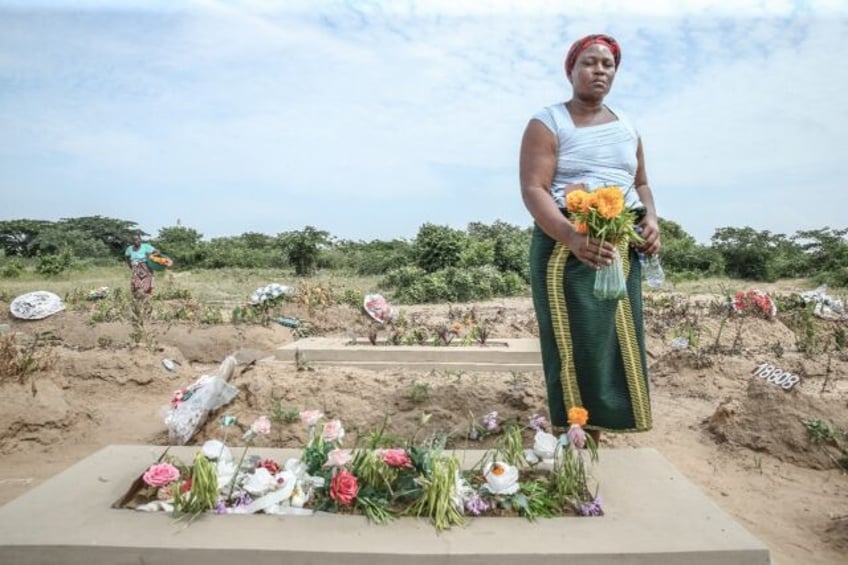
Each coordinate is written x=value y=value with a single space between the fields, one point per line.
x=769 y=419
x=409 y=404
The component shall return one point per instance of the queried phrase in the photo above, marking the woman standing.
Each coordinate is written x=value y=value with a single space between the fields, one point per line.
x=593 y=351
x=141 y=280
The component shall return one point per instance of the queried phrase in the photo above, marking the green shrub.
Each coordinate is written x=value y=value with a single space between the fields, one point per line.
x=52 y=265
x=438 y=247
x=11 y=269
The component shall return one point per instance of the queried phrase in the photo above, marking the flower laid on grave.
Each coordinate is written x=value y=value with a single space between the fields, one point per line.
x=380 y=480
x=754 y=302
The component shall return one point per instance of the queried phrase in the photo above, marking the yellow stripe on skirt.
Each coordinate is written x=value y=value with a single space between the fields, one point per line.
x=593 y=351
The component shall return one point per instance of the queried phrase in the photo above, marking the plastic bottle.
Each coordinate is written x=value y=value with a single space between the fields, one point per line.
x=652 y=270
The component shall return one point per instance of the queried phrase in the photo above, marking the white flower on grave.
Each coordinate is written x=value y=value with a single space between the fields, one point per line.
x=531 y=457
x=545 y=446
x=260 y=482
x=501 y=478
x=462 y=491
x=226 y=470
x=214 y=449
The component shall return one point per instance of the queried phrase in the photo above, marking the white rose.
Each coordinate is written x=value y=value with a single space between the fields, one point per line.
x=545 y=445
x=215 y=449
x=501 y=478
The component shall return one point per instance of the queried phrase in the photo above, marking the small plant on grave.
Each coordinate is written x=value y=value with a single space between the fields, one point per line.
x=301 y=363
x=822 y=434
x=17 y=362
x=446 y=332
x=419 y=392
x=417 y=336
x=211 y=315
x=482 y=332
x=487 y=426
x=315 y=296
x=690 y=331
x=284 y=414
x=808 y=339
x=840 y=339
x=820 y=431
x=141 y=312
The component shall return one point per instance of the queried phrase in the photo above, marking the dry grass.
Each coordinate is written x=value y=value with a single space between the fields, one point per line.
x=17 y=361
x=225 y=287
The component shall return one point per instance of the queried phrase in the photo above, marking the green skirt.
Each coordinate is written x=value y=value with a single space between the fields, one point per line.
x=593 y=351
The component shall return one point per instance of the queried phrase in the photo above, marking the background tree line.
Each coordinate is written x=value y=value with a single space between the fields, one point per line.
x=440 y=263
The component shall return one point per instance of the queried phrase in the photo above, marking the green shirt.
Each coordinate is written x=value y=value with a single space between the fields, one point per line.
x=136 y=256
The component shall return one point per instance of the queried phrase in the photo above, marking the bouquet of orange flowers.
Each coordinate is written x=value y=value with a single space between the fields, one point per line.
x=602 y=214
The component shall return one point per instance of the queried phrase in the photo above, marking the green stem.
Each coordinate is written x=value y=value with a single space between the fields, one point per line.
x=238 y=467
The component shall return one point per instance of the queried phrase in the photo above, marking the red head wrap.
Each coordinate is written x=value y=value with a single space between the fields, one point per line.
x=582 y=44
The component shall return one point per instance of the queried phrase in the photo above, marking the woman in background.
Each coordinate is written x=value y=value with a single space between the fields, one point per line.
x=141 y=279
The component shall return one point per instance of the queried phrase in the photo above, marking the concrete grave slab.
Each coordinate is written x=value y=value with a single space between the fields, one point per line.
x=521 y=354
x=654 y=516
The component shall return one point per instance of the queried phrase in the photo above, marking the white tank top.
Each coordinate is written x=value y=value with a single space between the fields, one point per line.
x=601 y=155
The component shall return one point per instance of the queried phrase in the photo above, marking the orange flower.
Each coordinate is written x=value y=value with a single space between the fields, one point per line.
x=578 y=415
x=581 y=228
x=578 y=201
x=610 y=201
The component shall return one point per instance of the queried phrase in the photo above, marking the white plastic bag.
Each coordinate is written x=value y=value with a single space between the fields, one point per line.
x=36 y=305
x=191 y=406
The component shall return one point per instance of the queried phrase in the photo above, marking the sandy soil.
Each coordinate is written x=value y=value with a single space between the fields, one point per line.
x=739 y=438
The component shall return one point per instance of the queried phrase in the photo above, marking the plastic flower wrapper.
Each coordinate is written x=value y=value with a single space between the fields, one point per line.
x=601 y=214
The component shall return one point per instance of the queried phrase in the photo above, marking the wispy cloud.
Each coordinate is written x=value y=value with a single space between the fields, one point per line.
x=369 y=118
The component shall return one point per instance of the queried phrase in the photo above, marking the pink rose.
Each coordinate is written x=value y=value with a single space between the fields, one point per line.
x=309 y=418
x=396 y=458
x=576 y=436
x=262 y=426
x=161 y=474
x=333 y=430
x=343 y=487
x=338 y=458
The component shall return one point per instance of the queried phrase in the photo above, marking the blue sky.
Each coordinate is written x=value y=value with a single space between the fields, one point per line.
x=368 y=119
